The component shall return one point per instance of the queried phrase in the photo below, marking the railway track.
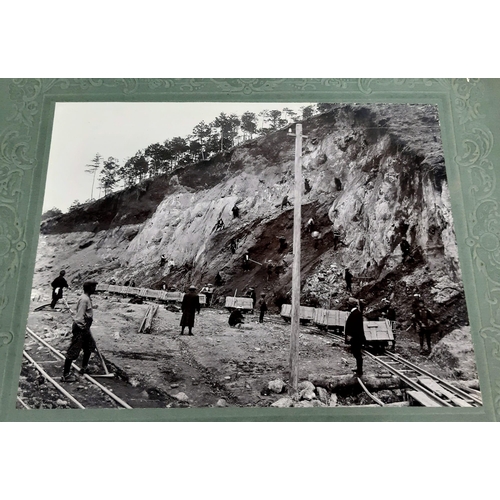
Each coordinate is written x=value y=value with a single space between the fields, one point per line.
x=424 y=387
x=44 y=364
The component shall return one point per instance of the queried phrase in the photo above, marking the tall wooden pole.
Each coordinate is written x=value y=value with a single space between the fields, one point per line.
x=297 y=223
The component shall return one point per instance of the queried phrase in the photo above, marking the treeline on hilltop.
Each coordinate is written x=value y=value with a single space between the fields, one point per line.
x=205 y=141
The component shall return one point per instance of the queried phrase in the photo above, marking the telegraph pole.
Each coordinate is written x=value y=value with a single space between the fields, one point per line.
x=297 y=223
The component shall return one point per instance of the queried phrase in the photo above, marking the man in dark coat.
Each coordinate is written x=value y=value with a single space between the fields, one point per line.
x=236 y=211
x=190 y=304
x=57 y=288
x=355 y=334
x=262 y=307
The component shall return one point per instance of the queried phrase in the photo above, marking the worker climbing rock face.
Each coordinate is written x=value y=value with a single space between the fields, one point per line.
x=348 y=280
x=285 y=202
x=405 y=248
x=246 y=262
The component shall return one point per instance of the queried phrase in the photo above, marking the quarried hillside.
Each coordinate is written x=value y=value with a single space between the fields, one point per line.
x=375 y=174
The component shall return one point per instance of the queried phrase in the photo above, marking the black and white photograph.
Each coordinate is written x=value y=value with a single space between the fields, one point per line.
x=247 y=255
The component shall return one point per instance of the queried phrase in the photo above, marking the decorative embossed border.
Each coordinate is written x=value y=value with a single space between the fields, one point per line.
x=469 y=120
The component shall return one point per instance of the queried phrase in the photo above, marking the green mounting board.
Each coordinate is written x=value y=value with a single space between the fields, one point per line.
x=470 y=123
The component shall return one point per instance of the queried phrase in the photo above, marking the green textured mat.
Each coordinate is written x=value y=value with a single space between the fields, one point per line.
x=469 y=116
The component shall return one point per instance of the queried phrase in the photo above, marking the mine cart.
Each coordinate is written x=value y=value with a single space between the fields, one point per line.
x=306 y=314
x=101 y=287
x=329 y=319
x=243 y=303
x=378 y=334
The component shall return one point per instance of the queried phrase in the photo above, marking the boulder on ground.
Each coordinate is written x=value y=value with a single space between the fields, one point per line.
x=322 y=395
x=305 y=385
x=276 y=386
x=333 y=400
x=221 y=403
x=304 y=404
x=283 y=403
x=181 y=396
x=307 y=394
x=318 y=404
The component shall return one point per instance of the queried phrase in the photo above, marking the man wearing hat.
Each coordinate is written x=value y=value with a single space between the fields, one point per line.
x=57 y=288
x=251 y=293
x=355 y=334
x=190 y=304
x=208 y=290
x=262 y=307
x=82 y=337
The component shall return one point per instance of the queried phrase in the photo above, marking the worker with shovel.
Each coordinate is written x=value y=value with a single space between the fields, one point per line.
x=82 y=337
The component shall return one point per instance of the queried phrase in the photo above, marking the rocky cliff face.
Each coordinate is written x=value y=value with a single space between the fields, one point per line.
x=376 y=174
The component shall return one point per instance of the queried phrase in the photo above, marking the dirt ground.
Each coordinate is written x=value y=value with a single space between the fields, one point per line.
x=217 y=366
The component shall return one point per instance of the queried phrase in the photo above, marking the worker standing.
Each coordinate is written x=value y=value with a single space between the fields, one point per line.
x=190 y=304
x=208 y=290
x=262 y=307
x=355 y=334
x=425 y=324
x=82 y=336
x=57 y=288
x=251 y=293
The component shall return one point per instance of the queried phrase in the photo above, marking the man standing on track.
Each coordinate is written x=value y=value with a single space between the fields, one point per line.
x=57 y=288
x=425 y=325
x=355 y=334
x=190 y=304
x=82 y=337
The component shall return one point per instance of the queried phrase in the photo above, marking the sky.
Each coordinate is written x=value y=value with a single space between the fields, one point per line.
x=81 y=130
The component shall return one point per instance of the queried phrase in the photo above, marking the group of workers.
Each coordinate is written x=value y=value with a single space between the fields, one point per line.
x=423 y=320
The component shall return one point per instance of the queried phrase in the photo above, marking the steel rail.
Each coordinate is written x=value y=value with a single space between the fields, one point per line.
x=374 y=398
x=88 y=377
x=458 y=392
x=408 y=380
x=398 y=373
x=61 y=389
x=444 y=383
x=23 y=403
